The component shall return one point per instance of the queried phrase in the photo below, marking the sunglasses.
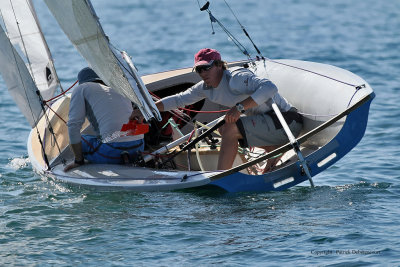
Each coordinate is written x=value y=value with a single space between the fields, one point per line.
x=201 y=68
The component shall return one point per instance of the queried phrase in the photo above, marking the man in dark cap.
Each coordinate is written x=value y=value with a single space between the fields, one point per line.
x=106 y=111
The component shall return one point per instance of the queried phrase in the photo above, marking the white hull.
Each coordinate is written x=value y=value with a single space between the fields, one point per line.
x=311 y=93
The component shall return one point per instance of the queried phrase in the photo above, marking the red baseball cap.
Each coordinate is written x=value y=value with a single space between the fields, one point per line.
x=206 y=56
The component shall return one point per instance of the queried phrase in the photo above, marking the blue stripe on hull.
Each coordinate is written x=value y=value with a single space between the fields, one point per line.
x=348 y=137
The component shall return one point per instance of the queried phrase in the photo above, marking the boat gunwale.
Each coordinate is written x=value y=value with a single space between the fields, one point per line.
x=288 y=146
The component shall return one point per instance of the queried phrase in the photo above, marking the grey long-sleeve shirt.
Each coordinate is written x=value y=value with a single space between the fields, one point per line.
x=105 y=109
x=235 y=86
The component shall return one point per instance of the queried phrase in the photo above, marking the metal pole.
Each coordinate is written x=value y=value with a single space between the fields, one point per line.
x=180 y=141
x=293 y=142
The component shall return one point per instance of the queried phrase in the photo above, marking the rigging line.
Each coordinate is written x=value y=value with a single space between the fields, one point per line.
x=244 y=30
x=30 y=67
x=33 y=12
x=49 y=126
x=45 y=102
x=316 y=73
x=357 y=89
x=198 y=3
x=202 y=8
x=173 y=112
x=205 y=7
x=23 y=42
x=230 y=35
x=58 y=115
x=19 y=72
x=63 y=93
x=30 y=107
x=36 y=120
x=333 y=115
x=176 y=112
x=151 y=93
x=206 y=111
x=179 y=116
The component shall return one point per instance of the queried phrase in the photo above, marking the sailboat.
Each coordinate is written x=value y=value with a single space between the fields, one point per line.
x=334 y=103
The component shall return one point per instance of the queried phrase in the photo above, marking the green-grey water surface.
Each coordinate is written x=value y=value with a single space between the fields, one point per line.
x=349 y=219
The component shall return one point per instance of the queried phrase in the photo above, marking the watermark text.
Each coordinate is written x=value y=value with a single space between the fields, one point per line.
x=344 y=252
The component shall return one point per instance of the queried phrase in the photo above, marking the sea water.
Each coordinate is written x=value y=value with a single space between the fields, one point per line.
x=351 y=217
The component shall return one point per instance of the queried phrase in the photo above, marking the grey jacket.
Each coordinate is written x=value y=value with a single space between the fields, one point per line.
x=236 y=85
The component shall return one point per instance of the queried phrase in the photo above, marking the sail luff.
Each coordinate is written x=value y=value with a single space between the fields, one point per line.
x=80 y=23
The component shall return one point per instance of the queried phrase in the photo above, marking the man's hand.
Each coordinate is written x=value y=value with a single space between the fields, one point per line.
x=232 y=115
x=71 y=166
x=136 y=115
x=77 y=150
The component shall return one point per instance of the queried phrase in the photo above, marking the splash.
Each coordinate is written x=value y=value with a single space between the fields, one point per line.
x=19 y=163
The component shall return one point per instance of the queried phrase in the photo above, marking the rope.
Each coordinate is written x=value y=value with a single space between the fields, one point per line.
x=209 y=111
x=230 y=35
x=316 y=73
x=244 y=30
x=56 y=113
x=41 y=101
x=63 y=93
x=25 y=90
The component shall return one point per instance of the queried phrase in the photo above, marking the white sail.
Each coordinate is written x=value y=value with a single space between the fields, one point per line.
x=80 y=23
x=23 y=29
x=19 y=81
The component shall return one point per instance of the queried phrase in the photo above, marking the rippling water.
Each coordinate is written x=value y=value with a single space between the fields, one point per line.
x=349 y=219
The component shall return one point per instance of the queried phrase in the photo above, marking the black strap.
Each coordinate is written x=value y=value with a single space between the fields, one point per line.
x=125 y=147
x=115 y=147
x=289 y=116
x=94 y=149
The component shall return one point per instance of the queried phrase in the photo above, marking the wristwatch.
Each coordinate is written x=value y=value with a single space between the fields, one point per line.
x=240 y=108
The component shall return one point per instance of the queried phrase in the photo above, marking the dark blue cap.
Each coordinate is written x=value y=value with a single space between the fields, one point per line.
x=87 y=75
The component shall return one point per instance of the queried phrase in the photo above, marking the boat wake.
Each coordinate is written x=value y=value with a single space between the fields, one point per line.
x=19 y=163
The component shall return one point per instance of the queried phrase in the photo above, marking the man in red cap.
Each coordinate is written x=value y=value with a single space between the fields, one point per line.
x=250 y=121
